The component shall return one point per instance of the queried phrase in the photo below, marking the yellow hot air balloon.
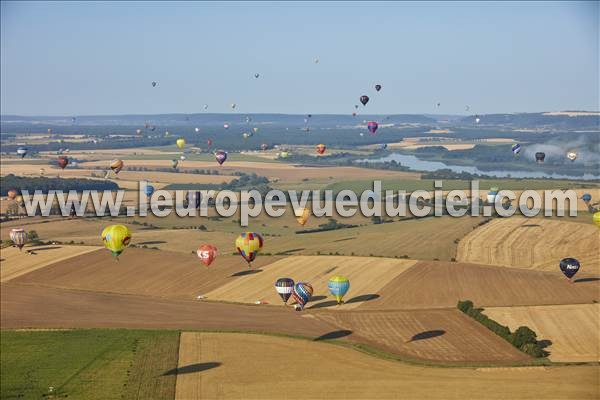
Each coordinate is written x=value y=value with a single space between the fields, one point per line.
x=338 y=286
x=596 y=218
x=302 y=215
x=116 y=238
x=284 y=154
x=248 y=244
x=180 y=143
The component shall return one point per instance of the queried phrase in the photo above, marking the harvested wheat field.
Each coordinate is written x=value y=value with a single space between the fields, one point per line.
x=146 y=272
x=16 y=263
x=440 y=335
x=218 y=365
x=573 y=329
x=430 y=284
x=533 y=244
x=366 y=275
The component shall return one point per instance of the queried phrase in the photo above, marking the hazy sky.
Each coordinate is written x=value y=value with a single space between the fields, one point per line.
x=100 y=58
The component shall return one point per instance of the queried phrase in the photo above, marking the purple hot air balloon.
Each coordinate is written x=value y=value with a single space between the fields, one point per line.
x=372 y=126
x=220 y=156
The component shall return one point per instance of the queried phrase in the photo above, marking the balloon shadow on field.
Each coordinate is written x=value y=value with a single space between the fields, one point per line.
x=247 y=272
x=45 y=248
x=363 y=297
x=586 y=280
x=333 y=335
x=317 y=298
x=190 y=369
x=324 y=304
x=153 y=242
x=427 y=335
x=530 y=226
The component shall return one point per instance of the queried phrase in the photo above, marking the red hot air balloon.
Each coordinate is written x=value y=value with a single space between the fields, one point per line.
x=207 y=253
x=63 y=161
x=321 y=148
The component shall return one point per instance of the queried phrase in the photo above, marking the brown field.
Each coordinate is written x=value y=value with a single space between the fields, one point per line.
x=259 y=367
x=440 y=335
x=142 y=272
x=441 y=284
x=366 y=275
x=16 y=263
x=573 y=329
x=537 y=244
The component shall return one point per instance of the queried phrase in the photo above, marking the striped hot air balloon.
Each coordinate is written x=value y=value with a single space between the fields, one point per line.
x=284 y=288
x=516 y=149
x=302 y=293
x=18 y=237
x=248 y=244
x=338 y=286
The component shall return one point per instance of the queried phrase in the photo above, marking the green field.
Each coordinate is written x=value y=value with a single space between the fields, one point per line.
x=89 y=364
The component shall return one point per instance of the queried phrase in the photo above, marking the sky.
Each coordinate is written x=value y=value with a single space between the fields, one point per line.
x=94 y=58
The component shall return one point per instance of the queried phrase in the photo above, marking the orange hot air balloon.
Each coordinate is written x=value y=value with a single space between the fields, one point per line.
x=321 y=148
x=116 y=166
x=207 y=253
x=302 y=215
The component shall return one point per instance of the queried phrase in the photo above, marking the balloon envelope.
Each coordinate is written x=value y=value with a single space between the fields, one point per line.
x=180 y=143
x=116 y=166
x=321 y=148
x=207 y=253
x=116 y=238
x=220 y=156
x=338 y=286
x=596 y=218
x=302 y=215
x=516 y=148
x=284 y=288
x=571 y=155
x=63 y=161
x=586 y=197
x=378 y=87
x=364 y=100
x=540 y=156
x=569 y=267
x=248 y=244
x=372 y=126
x=302 y=293
x=18 y=237
x=22 y=151
x=12 y=193
x=149 y=190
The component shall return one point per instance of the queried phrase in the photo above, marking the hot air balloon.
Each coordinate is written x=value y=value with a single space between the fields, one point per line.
x=209 y=142
x=321 y=148
x=196 y=199
x=138 y=132
x=283 y=154
x=256 y=75
x=116 y=165
x=226 y=126
x=149 y=190
x=467 y=108
x=248 y=244
x=361 y=134
x=116 y=238
x=154 y=84
x=182 y=157
x=364 y=100
x=180 y=143
x=596 y=218
x=338 y=286
x=383 y=146
x=477 y=119
x=207 y=253
x=174 y=163
x=354 y=114
x=197 y=130
x=233 y=106
x=586 y=198
x=167 y=133
x=18 y=237
x=572 y=155
x=540 y=156
x=284 y=288
x=372 y=127
x=12 y=193
x=205 y=107
x=50 y=131
x=254 y=130
x=378 y=87
x=246 y=135
x=491 y=196
x=63 y=161
x=516 y=149
x=264 y=146
x=316 y=60
x=20 y=201
x=569 y=267
x=221 y=156
x=302 y=215
x=302 y=293
x=22 y=151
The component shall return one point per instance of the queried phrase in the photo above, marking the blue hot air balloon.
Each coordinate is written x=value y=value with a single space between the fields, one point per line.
x=586 y=198
x=516 y=149
x=302 y=293
x=149 y=190
x=569 y=267
x=338 y=286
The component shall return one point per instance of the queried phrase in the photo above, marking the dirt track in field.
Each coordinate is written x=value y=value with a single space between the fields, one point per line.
x=573 y=329
x=242 y=366
x=532 y=244
x=441 y=335
x=142 y=272
x=431 y=284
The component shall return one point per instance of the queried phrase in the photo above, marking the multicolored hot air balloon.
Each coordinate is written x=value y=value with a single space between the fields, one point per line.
x=364 y=99
x=516 y=149
x=378 y=87
x=569 y=267
x=207 y=253
x=321 y=148
x=63 y=161
x=302 y=215
x=12 y=193
x=338 y=286
x=116 y=238
x=22 y=151
x=18 y=237
x=302 y=293
x=284 y=288
x=596 y=218
x=20 y=201
x=264 y=146
x=572 y=155
x=491 y=196
x=116 y=166
x=221 y=156
x=180 y=143
x=372 y=127
x=248 y=244
x=540 y=156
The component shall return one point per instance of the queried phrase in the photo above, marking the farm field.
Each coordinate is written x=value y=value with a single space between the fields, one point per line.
x=442 y=284
x=572 y=329
x=537 y=244
x=369 y=275
x=217 y=365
